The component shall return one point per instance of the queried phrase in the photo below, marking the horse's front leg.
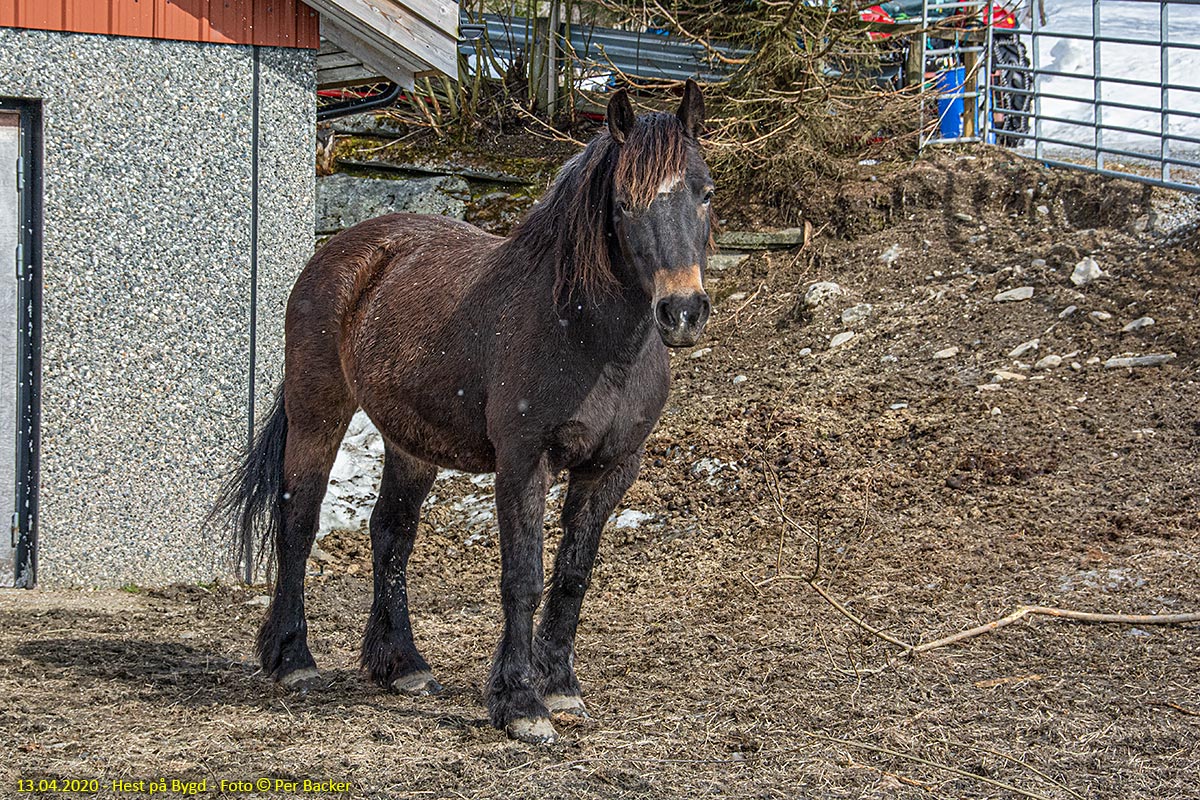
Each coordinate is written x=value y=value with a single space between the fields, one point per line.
x=514 y=704
x=592 y=494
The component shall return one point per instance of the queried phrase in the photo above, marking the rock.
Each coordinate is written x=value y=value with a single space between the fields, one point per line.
x=1037 y=263
x=1093 y=360
x=890 y=255
x=1086 y=271
x=1043 y=210
x=961 y=217
x=1048 y=362
x=369 y=124
x=344 y=200
x=1024 y=347
x=949 y=352
x=819 y=292
x=736 y=297
x=1068 y=311
x=804 y=351
x=1151 y=360
x=720 y=261
x=1138 y=324
x=761 y=240
x=840 y=339
x=1075 y=365
x=1010 y=295
x=701 y=353
x=855 y=314
x=258 y=601
x=1100 y=315
x=739 y=379
x=1004 y=375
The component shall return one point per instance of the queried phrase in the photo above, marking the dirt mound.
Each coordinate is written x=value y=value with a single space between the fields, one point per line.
x=984 y=183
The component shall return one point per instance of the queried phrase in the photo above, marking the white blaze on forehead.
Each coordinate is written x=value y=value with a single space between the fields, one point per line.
x=670 y=184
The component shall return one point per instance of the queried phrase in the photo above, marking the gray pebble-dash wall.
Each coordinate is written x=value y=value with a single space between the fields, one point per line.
x=147 y=286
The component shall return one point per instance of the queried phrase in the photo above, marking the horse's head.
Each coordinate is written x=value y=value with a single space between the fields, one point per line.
x=661 y=210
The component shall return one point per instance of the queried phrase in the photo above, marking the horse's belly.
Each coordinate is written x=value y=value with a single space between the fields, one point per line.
x=452 y=444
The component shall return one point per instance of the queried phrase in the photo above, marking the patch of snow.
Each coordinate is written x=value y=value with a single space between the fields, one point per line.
x=354 y=479
x=630 y=518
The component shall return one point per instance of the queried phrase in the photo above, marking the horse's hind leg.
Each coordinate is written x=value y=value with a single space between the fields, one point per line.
x=591 y=497
x=316 y=424
x=388 y=652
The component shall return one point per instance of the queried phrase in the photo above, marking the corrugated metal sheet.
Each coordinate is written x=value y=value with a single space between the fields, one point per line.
x=641 y=54
x=277 y=23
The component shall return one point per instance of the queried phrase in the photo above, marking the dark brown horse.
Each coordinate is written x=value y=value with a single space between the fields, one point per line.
x=524 y=356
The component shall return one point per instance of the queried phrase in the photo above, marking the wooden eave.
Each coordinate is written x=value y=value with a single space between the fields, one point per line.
x=389 y=39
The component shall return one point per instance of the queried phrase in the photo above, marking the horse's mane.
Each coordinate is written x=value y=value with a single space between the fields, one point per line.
x=572 y=222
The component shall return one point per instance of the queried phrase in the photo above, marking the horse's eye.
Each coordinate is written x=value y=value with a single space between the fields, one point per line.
x=707 y=197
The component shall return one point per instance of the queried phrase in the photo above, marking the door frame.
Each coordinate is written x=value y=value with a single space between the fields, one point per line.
x=24 y=527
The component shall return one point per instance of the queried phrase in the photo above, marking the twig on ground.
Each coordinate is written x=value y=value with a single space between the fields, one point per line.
x=917 y=759
x=813 y=582
x=1189 y=712
x=1021 y=763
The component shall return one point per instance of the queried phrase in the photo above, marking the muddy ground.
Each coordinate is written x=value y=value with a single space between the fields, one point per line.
x=941 y=499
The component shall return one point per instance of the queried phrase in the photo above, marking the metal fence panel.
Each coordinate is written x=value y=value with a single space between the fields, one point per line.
x=1115 y=89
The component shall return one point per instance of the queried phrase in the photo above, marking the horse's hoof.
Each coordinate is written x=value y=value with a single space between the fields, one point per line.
x=301 y=680
x=568 y=704
x=532 y=730
x=417 y=684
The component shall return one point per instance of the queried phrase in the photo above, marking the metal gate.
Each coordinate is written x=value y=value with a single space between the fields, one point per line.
x=1113 y=87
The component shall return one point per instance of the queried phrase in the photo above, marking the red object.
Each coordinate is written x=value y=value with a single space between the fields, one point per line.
x=276 y=23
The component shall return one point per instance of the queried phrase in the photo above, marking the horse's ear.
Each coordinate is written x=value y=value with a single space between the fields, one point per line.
x=691 y=110
x=620 y=116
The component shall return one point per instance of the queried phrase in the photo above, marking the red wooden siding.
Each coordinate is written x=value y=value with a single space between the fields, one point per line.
x=278 y=23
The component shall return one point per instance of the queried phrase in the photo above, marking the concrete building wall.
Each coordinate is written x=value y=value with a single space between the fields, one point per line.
x=147 y=284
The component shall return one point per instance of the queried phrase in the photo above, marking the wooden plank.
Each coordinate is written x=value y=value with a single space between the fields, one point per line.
x=348 y=76
x=228 y=21
x=394 y=29
x=281 y=23
x=308 y=27
x=131 y=18
x=87 y=17
x=174 y=21
x=386 y=60
x=42 y=14
x=335 y=60
x=443 y=15
x=273 y=21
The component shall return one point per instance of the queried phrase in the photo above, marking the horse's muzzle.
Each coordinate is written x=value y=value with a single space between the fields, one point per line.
x=681 y=317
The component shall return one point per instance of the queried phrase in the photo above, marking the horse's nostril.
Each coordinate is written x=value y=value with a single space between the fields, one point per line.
x=663 y=314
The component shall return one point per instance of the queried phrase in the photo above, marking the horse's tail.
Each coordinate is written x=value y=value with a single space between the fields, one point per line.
x=252 y=497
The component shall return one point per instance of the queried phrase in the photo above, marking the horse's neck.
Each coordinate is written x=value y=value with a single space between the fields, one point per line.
x=614 y=326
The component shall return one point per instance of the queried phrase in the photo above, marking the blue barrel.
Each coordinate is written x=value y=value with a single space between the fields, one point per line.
x=950 y=101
